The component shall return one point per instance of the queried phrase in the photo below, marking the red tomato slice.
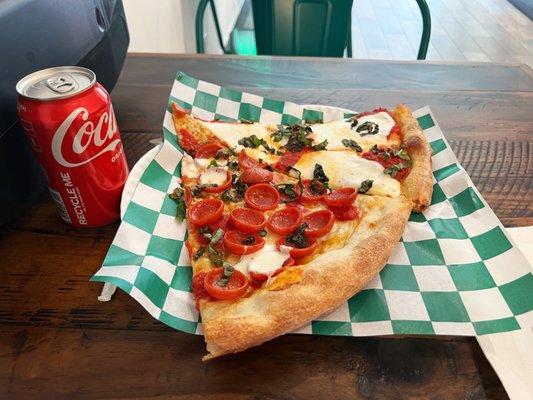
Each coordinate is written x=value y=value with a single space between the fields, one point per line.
x=295 y=252
x=219 y=188
x=261 y=197
x=206 y=211
x=285 y=220
x=234 y=242
x=340 y=197
x=256 y=276
x=235 y=287
x=345 y=213
x=246 y=162
x=308 y=195
x=247 y=220
x=208 y=150
x=319 y=222
x=256 y=175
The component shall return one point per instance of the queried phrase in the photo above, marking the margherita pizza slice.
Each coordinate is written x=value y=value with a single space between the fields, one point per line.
x=287 y=222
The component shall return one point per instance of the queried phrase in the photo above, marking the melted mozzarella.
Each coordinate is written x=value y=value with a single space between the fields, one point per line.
x=214 y=175
x=347 y=169
x=202 y=163
x=188 y=168
x=265 y=261
x=232 y=133
x=336 y=131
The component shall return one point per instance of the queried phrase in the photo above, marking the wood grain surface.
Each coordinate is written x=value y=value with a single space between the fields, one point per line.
x=58 y=342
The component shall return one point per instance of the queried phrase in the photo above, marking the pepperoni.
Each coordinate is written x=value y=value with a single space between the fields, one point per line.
x=188 y=141
x=208 y=149
x=220 y=223
x=206 y=211
x=261 y=197
x=285 y=220
x=247 y=220
x=256 y=175
x=236 y=242
x=296 y=252
x=246 y=162
x=345 y=213
x=288 y=159
x=235 y=287
x=319 y=223
x=340 y=197
x=218 y=188
x=308 y=195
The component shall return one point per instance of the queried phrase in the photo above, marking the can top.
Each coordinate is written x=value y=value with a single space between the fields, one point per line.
x=56 y=83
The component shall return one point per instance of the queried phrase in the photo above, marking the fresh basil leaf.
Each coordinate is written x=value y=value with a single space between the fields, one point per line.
x=265 y=145
x=262 y=232
x=314 y=121
x=215 y=256
x=231 y=196
x=233 y=165
x=385 y=155
x=374 y=149
x=181 y=211
x=365 y=186
x=352 y=144
x=402 y=154
x=320 y=146
x=367 y=128
x=295 y=173
x=393 y=169
x=251 y=141
x=213 y=163
x=199 y=253
x=298 y=238
x=216 y=237
x=288 y=190
x=246 y=121
x=248 y=240
x=198 y=190
x=226 y=275
x=320 y=175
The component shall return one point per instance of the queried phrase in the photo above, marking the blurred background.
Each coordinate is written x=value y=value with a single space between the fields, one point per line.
x=461 y=30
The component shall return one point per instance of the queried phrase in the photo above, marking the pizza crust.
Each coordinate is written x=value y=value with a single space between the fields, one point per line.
x=418 y=186
x=327 y=282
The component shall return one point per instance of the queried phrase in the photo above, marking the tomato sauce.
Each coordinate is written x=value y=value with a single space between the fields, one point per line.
x=388 y=162
x=188 y=141
x=288 y=159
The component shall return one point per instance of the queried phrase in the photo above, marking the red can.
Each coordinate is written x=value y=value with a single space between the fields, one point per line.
x=71 y=126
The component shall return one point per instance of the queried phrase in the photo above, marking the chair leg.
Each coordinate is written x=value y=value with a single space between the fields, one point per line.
x=426 y=29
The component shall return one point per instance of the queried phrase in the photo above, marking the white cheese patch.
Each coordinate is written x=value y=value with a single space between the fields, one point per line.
x=188 y=167
x=347 y=169
x=214 y=175
x=265 y=261
x=334 y=132
x=202 y=163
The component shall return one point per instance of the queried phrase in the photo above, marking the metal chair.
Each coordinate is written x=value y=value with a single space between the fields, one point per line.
x=303 y=27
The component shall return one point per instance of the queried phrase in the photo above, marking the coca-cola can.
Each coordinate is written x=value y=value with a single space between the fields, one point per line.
x=69 y=121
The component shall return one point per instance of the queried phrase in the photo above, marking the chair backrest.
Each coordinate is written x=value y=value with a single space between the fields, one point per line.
x=302 y=27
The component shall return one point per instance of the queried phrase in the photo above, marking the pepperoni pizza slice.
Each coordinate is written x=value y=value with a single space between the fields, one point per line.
x=285 y=223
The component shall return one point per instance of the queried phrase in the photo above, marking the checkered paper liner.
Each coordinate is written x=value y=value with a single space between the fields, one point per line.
x=454 y=272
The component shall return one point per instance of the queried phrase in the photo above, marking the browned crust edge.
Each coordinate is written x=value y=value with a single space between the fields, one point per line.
x=328 y=281
x=185 y=121
x=418 y=186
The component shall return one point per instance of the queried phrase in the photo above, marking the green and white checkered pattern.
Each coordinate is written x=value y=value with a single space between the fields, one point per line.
x=454 y=272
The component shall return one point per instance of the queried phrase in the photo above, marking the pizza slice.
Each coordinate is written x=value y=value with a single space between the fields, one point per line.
x=285 y=223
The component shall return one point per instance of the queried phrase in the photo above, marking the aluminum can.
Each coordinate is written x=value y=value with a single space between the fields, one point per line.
x=70 y=124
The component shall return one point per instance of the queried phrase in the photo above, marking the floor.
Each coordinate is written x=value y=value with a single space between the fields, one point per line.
x=472 y=30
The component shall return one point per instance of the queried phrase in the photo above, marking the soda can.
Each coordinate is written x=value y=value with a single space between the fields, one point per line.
x=69 y=121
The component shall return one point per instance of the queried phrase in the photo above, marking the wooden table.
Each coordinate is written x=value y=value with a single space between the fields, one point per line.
x=57 y=341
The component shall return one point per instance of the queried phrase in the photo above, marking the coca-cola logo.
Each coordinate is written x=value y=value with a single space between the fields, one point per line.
x=87 y=134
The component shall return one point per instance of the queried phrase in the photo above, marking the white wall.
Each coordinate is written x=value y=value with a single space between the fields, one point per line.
x=168 y=26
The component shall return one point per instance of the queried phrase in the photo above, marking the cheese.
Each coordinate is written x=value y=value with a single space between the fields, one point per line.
x=265 y=261
x=214 y=175
x=334 y=132
x=188 y=168
x=202 y=163
x=347 y=169
x=232 y=133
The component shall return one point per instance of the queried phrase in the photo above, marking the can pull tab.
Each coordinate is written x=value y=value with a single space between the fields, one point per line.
x=62 y=83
